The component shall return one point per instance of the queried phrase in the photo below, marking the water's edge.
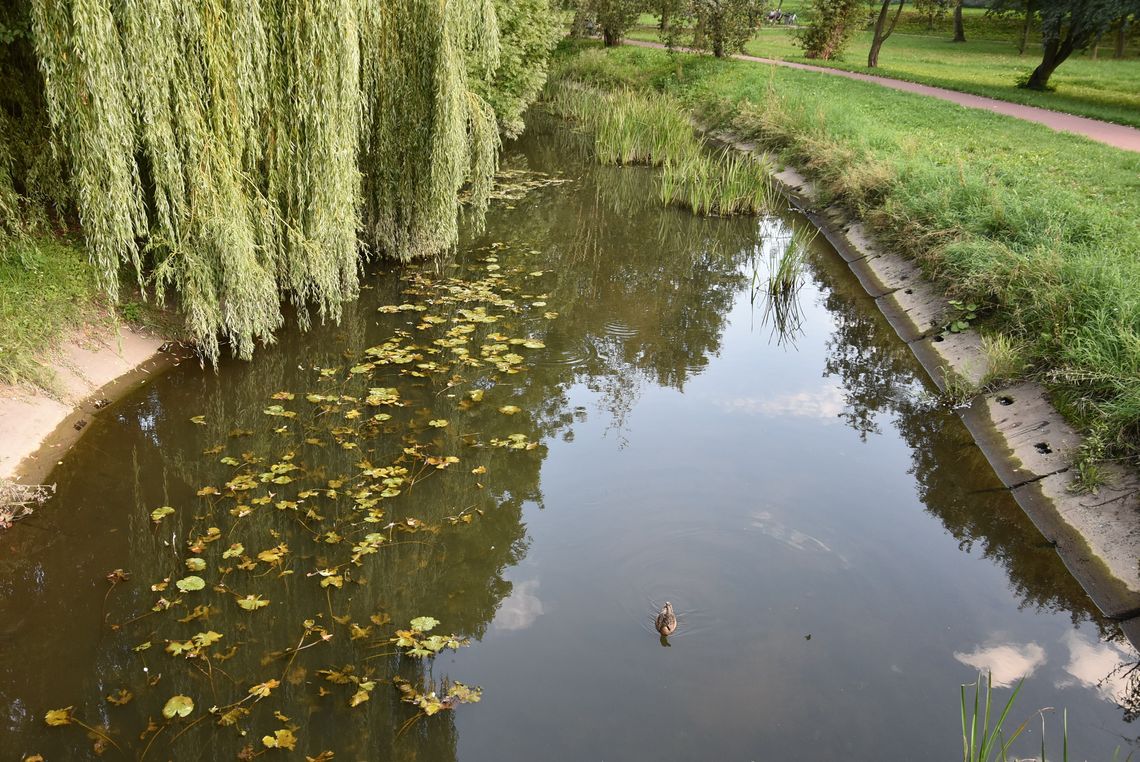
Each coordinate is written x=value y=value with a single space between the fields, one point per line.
x=92 y=371
x=1024 y=438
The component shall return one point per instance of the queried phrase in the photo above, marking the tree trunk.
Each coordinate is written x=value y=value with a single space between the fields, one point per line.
x=882 y=31
x=1055 y=55
x=1024 y=40
x=959 y=28
x=1120 y=39
x=610 y=38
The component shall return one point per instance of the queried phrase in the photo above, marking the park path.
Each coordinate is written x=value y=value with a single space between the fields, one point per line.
x=1116 y=135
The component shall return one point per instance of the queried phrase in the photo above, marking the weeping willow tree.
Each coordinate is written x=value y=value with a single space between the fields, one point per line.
x=241 y=153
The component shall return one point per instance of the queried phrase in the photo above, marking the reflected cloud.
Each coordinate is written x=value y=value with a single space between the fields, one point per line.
x=1096 y=665
x=792 y=537
x=520 y=609
x=1006 y=663
x=826 y=404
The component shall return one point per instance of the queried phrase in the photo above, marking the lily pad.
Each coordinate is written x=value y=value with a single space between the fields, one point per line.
x=424 y=623
x=178 y=706
x=190 y=584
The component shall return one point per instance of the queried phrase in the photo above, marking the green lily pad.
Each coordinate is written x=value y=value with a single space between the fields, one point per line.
x=190 y=584
x=178 y=706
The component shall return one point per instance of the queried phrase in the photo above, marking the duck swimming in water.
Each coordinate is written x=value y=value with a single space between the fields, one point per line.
x=666 y=622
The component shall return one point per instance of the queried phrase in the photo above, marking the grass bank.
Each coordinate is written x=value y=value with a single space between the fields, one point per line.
x=47 y=287
x=1041 y=229
x=986 y=64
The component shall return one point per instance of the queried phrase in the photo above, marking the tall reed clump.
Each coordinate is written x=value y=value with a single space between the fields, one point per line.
x=724 y=184
x=631 y=128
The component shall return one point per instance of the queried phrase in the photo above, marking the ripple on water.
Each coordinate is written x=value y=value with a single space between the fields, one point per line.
x=619 y=329
x=652 y=572
x=568 y=355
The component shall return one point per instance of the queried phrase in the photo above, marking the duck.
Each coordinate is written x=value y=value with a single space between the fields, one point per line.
x=666 y=622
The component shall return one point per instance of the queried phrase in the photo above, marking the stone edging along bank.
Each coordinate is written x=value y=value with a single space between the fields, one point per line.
x=1029 y=444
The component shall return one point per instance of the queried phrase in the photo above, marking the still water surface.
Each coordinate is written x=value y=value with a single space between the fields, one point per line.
x=839 y=553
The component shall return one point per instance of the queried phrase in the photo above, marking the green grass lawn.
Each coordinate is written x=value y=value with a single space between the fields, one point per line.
x=43 y=297
x=988 y=64
x=1040 y=227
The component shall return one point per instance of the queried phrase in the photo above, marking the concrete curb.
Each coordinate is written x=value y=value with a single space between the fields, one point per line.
x=1029 y=444
x=91 y=371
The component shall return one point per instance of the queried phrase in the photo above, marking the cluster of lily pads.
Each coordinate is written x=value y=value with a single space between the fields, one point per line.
x=319 y=513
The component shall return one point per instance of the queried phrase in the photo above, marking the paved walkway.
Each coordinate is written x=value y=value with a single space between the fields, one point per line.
x=1116 y=135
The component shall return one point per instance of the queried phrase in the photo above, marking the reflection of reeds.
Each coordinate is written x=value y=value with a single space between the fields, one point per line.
x=781 y=287
x=722 y=184
x=631 y=128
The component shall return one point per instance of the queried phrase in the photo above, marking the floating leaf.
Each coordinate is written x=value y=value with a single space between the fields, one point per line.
x=252 y=602
x=362 y=695
x=279 y=411
x=57 y=717
x=273 y=555
x=424 y=623
x=158 y=514
x=178 y=706
x=262 y=690
x=206 y=639
x=120 y=697
x=234 y=550
x=195 y=564
x=199 y=419
x=510 y=409
x=281 y=739
x=438 y=423
x=190 y=584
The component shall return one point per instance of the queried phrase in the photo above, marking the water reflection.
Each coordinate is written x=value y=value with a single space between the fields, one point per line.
x=1108 y=668
x=828 y=403
x=1005 y=663
x=520 y=609
x=644 y=301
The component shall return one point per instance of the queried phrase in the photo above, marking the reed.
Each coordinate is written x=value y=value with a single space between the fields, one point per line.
x=630 y=128
x=981 y=741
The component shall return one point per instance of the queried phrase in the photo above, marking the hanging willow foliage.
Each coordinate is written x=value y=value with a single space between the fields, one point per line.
x=242 y=152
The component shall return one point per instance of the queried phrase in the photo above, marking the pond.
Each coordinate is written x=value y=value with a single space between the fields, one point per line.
x=525 y=450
